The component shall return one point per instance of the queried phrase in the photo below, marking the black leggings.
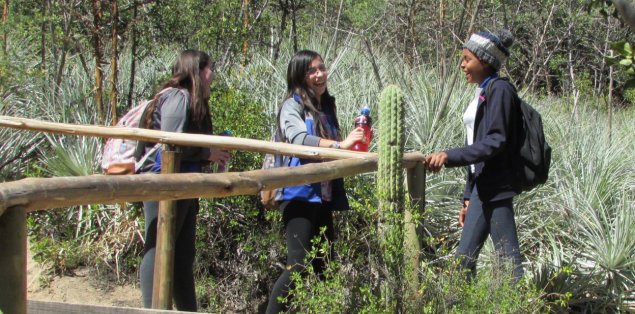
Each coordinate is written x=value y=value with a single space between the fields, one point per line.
x=184 y=252
x=302 y=222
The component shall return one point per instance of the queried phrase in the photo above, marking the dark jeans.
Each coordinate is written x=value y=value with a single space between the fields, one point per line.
x=489 y=218
x=184 y=252
x=302 y=222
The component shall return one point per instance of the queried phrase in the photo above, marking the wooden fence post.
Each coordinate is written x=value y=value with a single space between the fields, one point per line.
x=414 y=236
x=13 y=261
x=166 y=229
x=417 y=186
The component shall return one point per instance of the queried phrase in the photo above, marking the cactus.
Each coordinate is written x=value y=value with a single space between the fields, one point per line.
x=390 y=191
x=391 y=145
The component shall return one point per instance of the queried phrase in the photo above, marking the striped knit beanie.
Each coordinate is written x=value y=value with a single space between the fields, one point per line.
x=492 y=48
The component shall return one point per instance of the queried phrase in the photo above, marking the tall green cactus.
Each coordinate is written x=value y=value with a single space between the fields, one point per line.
x=390 y=177
x=391 y=146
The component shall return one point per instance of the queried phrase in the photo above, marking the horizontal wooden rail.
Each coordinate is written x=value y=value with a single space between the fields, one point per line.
x=184 y=139
x=44 y=193
x=48 y=307
x=232 y=143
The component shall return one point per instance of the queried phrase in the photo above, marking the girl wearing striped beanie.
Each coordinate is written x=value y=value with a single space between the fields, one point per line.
x=492 y=121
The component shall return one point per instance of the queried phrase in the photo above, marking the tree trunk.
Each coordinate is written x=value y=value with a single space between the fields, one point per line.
x=245 y=9
x=61 y=65
x=97 y=15
x=410 y=40
x=5 y=20
x=113 y=62
x=283 y=25
x=133 y=54
x=571 y=38
x=337 y=27
x=440 y=44
x=66 y=38
x=373 y=62
x=44 y=12
x=294 y=31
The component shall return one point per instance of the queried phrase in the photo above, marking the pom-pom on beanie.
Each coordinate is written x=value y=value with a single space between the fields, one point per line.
x=492 y=48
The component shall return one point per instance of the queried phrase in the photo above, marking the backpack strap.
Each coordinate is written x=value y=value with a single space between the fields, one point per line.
x=488 y=88
x=490 y=84
x=140 y=151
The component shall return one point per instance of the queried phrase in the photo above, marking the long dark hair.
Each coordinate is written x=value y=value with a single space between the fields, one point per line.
x=186 y=74
x=296 y=84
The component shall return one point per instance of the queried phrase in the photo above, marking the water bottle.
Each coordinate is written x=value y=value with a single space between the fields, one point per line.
x=365 y=122
x=221 y=168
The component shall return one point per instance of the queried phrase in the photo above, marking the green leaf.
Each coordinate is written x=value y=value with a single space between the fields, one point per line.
x=629 y=84
x=620 y=48
x=631 y=71
x=626 y=62
x=628 y=48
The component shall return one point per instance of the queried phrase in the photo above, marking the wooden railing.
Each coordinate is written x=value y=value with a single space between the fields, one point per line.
x=22 y=196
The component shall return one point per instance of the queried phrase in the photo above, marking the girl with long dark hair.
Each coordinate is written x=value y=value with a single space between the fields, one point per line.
x=180 y=106
x=308 y=116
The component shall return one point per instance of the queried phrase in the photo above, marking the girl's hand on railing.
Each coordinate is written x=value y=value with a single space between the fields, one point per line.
x=435 y=161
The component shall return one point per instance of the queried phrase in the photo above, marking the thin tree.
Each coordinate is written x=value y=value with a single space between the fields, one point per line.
x=113 y=61
x=97 y=47
x=66 y=39
x=245 y=11
x=5 y=21
x=133 y=52
x=440 y=38
x=294 y=32
x=44 y=12
x=284 y=11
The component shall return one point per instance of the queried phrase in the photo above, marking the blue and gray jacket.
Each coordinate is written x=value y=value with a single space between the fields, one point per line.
x=297 y=127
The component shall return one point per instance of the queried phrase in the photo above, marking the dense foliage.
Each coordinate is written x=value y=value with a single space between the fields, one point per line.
x=576 y=231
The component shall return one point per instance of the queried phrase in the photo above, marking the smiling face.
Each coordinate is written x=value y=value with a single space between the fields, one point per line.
x=475 y=70
x=316 y=77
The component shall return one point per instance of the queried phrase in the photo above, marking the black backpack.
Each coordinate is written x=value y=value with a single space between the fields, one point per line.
x=532 y=166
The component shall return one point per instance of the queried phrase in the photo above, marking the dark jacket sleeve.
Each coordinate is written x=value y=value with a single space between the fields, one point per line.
x=495 y=115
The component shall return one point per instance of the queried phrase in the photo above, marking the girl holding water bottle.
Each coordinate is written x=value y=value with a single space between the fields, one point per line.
x=308 y=117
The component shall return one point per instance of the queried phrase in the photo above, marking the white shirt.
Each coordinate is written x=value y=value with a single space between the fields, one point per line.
x=468 y=120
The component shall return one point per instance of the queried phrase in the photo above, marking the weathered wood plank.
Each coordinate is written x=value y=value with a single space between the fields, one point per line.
x=45 y=307
x=44 y=193
x=413 y=229
x=166 y=229
x=231 y=143
x=13 y=261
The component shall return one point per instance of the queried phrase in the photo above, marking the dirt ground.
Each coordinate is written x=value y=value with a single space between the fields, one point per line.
x=78 y=289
